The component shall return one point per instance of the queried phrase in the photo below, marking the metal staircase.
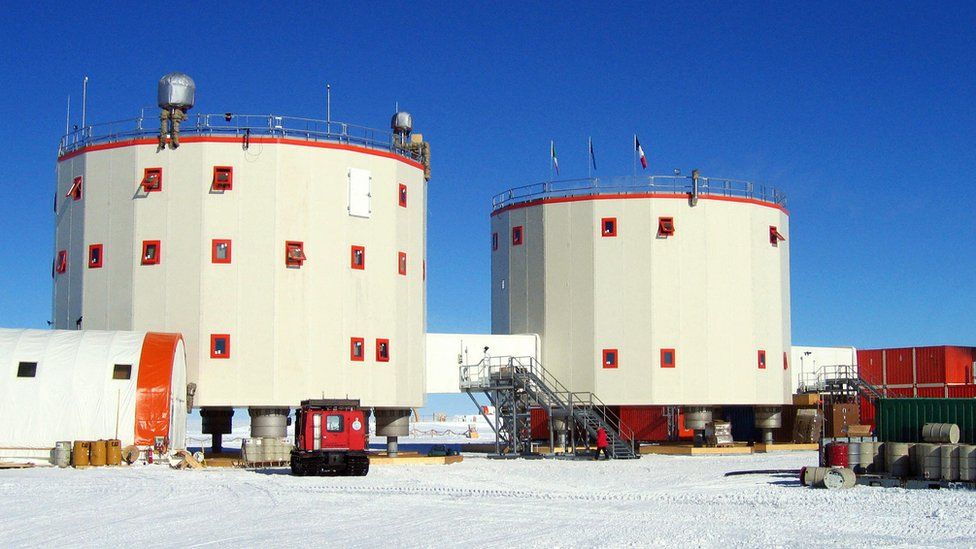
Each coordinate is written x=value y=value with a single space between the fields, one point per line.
x=841 y=381
x=515 y=385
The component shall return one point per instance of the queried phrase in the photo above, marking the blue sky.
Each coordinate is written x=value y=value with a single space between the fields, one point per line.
x=863 y=117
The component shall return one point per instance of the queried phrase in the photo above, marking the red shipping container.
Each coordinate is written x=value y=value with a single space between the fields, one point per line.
x=647 y=422
x=898 y=367
x=869 y=366
x=930 y=365
x=962 y=391
x=959 y=364
x=931 y=392
x=906 y=392
x=867 y=412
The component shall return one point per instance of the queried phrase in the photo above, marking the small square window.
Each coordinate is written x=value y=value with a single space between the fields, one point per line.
x=665 y=226
x=27 y=369
x=223 y=178
x=494 y=242
x=382 y=350
x=152 y=180
x=333 y=423
x=220 y=251
x=151 y=252
x=608 y=226
x=668 y=358
x=122 y=371
x=403 y=196
x=74 y=192
x=61 y=262
x=357 y=259
x=775 y=236
x=517 y=236
x=219 y=346
x=294 y=253
x=610 y=358
x=357 y=349
x=402 y=263
x=761 y=357
x=95 y=256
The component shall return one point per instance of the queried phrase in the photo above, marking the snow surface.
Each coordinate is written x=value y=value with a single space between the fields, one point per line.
x=654 y=501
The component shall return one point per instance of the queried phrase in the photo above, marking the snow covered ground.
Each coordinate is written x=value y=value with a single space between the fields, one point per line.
x=655 y=501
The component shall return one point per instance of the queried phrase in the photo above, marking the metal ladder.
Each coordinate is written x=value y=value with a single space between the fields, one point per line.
x=514 y=385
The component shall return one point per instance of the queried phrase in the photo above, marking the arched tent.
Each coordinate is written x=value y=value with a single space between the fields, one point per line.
x=88 y=385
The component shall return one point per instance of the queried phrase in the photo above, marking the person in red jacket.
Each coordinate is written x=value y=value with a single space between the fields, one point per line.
x=601 y=443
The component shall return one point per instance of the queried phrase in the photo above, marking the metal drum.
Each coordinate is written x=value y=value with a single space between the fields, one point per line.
x=839 y=477
x=113 y=452
x=854 y=455
x=865 y=457
x=967 y=462
x=837 y=455
x=940 y=432
x=949 y=462
x=61 y=456
x=79 y=454
x=813 y=476
x=98 y=451
x=928 y=461
x=897 y=458
x=879 y=457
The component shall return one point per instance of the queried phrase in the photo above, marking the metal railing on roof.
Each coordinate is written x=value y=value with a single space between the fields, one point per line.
x=628 y=185
x=239 y=125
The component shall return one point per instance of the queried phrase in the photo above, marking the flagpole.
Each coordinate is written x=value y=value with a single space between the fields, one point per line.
x=589 y=159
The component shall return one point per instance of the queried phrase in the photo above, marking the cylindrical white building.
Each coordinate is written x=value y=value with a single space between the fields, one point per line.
x=290 y=253
x=650 y=291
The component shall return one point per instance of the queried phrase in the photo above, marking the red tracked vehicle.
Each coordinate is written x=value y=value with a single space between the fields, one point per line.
x=330 y=439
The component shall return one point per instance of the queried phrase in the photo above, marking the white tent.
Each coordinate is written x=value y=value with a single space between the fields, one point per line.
x=89 y=385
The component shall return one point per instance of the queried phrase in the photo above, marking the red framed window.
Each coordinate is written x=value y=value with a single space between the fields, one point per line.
x=665 y=226
x=219 y=345
x=402 y=263
x=761 y=359
x=608 y=226
x=151 y=252
x=61 y=262
x=357 y=257
x=786 y=362
x=220 y=251
x=223 y=178
x=775 y=236
x=152 y=180
x=75 y=191
x=357 y=349
x=517 y=236
x=668 y=358
x=382 y=350
x=294 y=253
x=494 y=242
x=95 y=256
x=402 y=196
x=611 y=358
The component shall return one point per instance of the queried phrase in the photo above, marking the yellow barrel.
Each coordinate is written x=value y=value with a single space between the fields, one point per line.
x=113 y=455
x=98 y=450
x=79 y=453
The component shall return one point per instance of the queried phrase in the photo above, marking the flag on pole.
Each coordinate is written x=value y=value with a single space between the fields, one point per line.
x=592 y=154
x=552 y=153
x=640 y=152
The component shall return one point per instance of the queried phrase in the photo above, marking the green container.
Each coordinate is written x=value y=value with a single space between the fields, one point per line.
x=901 y=419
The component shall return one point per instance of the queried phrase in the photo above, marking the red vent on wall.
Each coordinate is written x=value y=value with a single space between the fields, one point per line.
x=610 y=358
x=95 y=256
x=152 y=180
x=665 y=226
x=75 y=191
x=668 y=358
x=223 y=178
x=357 y=349
x=219 y=346
x=608 y=226
x=775 y=236
x=294 y=253
x=151 y=252
x=382 y=350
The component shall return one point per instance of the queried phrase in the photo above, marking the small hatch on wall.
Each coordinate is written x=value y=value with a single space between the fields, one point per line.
x=223 y=178
x=27 y=369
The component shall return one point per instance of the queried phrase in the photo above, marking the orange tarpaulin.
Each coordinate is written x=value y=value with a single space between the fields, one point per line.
x=154 y=387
